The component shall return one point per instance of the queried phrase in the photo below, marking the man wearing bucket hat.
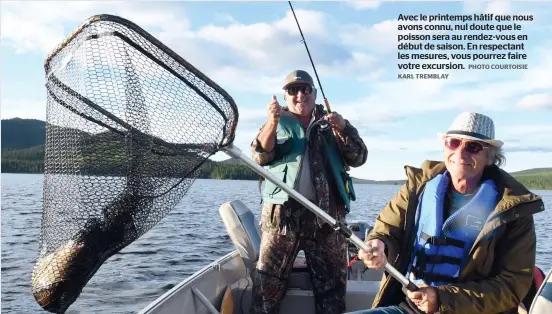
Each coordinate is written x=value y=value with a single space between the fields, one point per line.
x=461 y=229
x=297 y=145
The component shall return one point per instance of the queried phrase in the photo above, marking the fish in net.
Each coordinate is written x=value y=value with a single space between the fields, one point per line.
x=129 y=124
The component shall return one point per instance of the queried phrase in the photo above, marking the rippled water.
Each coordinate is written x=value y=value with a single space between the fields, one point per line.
x=190 y=237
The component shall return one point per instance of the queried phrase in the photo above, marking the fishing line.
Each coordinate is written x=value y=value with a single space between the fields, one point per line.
x=310 y=58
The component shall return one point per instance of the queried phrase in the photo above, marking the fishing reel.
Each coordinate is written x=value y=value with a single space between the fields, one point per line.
x=325 y=125
x=322 y=125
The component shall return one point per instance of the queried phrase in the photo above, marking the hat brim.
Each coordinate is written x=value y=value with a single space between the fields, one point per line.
x=496 y=143
x=296 y=82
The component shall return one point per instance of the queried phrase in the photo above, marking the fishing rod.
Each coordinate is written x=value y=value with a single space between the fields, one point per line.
x=318 y=79
x=308 y=52
x=405 y=282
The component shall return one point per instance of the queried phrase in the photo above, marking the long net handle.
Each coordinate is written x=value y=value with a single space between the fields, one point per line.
x=337 y=225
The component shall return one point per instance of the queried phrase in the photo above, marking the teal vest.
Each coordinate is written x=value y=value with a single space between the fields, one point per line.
x=290 y=146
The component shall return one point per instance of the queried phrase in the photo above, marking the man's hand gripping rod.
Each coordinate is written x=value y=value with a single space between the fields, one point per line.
x=338 y=226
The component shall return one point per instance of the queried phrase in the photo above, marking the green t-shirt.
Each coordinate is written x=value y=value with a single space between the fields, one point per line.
x=458 y=200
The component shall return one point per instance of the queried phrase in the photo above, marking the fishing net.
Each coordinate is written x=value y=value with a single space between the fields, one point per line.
x=129 y=124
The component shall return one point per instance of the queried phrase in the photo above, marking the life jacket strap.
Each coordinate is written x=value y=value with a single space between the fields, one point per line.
x=422 y=260
x=441 y=259
x=431 y=277
x=442 y=240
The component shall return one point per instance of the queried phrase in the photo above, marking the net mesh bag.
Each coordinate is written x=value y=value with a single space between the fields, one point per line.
x=129 y=124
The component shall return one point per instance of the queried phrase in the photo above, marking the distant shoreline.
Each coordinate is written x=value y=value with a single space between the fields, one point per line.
x=355 y=180
x=23 y=151
x=531 y=182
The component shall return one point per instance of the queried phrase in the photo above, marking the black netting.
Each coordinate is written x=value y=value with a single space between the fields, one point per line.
x=129 y=123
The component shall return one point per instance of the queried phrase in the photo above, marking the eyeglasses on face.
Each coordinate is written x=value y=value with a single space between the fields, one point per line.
x=305 y=89
x=472 y=147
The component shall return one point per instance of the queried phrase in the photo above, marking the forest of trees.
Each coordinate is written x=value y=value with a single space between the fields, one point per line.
x=23 y=152
x=21 y=161
x=31 y=160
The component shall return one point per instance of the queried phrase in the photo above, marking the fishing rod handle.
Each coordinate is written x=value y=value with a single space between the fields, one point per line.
x=327 y=105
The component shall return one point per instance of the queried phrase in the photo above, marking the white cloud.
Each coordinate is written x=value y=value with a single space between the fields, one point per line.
x=526 y=137
x=536 y=101
x=431 y=143
x=271 y=46
x=253 y=58
x=313 y=23
x=379 y=37
x=473 y=5
x=30 y=26
x=498 y=7
x=355 y=64
x=24 y=108
x=384 y=36
x=365 y=5
x=421 y=145
x=469 y=90
x=25 y=37
x=248 y=58
x=528 y=129
x=502 y=7
x=266 y=50
x=248 y=80
x=224 y=17
x=244 y=39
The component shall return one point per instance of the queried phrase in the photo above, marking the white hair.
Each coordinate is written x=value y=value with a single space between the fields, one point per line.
x=496 y=154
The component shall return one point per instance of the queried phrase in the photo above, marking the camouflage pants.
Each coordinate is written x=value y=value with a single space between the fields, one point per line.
x=325 y=253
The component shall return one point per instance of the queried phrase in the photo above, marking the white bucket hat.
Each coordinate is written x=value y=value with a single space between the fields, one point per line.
x=473 y=126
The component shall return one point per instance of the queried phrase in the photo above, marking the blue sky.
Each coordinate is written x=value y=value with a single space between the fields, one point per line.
x=249 y=47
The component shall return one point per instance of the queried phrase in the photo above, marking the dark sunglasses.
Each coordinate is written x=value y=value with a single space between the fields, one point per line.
x=471 y=147
x=305 y=89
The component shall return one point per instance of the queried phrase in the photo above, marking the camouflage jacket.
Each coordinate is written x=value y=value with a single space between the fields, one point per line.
x=292 y=213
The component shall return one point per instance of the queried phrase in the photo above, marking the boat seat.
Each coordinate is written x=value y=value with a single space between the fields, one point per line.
x=245 y=233
x=360 y=228
x=299 y=278
x=542 y=303
x=243 y=229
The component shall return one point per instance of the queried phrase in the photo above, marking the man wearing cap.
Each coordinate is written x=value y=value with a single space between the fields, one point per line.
x=310 y=151
x=462 y=229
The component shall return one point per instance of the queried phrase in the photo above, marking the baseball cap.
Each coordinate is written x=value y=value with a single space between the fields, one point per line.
x=298 y=76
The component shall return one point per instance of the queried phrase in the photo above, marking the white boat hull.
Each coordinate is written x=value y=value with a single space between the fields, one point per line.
x=204 y=291
x=212 y=281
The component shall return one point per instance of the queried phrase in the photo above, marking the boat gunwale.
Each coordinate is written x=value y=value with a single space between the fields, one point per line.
x=198 y=274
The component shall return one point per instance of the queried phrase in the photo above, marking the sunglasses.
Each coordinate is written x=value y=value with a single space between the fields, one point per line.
x=305 y=89
x=471 y=147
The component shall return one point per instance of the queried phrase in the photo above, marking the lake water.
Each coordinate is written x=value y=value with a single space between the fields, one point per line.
x=187 y=239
